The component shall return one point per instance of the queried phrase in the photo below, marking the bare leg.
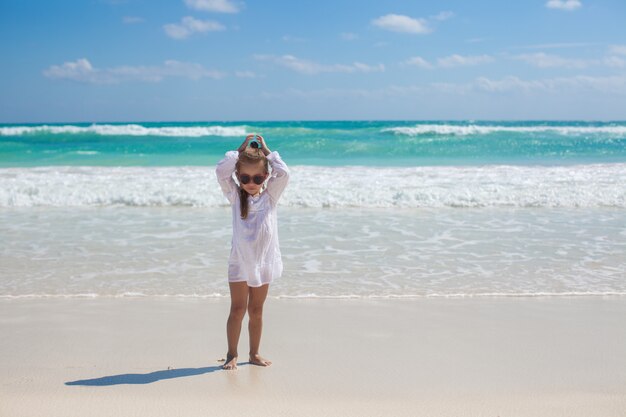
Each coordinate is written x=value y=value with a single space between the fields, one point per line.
x=255 y=323
x=238 y=306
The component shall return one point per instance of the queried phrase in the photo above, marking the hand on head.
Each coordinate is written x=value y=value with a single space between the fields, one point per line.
x=259 y=139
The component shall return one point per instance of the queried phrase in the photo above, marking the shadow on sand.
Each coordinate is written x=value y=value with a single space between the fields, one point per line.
x=149 y=377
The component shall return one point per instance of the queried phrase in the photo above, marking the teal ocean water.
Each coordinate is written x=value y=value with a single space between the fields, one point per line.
x=340 y=143
x=373 y=209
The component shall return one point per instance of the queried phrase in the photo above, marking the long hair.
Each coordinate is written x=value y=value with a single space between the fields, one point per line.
x=249 y=156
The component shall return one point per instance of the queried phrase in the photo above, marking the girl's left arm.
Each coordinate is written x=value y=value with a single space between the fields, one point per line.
x=280 y=173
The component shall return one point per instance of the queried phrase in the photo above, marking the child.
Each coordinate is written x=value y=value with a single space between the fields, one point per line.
x=255 y=258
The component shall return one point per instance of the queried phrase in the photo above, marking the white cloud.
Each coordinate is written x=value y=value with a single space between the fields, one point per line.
x=443 y=16
x=556 y=45
x=617 y=49
x=616 y=59
x=560 y=85
x=463 y=61
x=543 y=60
x=79 y=70
x=418 y=61
x=475 y=40
x=563 y=4
x=450 y=61
x=451 y=88
x=347 y=36
x=615 y=62
x=507 y=84
x=82 y=71
x=340 y=93
x=580 y=83
x=189 y=26
x=129 y=20
x=401 y=23
x=360 y=67
x=245 y=74
x=289 y=38
x=311 y=68
x=219 y=6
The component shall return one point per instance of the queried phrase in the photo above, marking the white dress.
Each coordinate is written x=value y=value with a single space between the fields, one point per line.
x=255 y=255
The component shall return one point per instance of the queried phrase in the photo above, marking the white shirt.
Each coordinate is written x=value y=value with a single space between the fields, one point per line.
x=255 y=255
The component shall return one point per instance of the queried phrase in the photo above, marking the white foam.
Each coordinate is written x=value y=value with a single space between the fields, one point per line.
x=126 y=130
x=465 y=130
x=579 y=186
x=339 y=296
x=349 y=253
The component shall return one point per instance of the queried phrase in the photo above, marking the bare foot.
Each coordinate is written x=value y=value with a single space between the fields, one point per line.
x=258 y=360
x=231 y=362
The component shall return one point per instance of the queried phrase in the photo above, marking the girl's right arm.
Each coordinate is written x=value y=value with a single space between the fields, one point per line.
x=224 y=172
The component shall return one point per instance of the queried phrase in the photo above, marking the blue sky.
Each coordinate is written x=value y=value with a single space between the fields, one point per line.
x=216 y=60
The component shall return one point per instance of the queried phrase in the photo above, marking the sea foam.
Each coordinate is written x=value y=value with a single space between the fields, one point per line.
x=126 y=130
x=593 y=185
x=472 y=129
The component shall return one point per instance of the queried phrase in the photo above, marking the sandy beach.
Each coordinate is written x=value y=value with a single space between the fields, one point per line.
x=436 y=195
x=503 y=356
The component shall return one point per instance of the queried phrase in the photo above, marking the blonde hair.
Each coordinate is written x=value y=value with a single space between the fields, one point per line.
x=250 y=156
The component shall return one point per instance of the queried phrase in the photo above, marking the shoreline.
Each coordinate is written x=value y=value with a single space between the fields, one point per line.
x=526 y=356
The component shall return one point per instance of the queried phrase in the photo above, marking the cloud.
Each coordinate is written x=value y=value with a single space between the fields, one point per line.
x=401 y=23
x=452 y=88
x=189 y=26
x=543 y=60
x=617 y=49
x=289 y=38
x=311 y=68
x=475 y=40
x=507 y=85
x=568 y=5
x=560 y=85
x=557 y=45
x=129 y=20
x=450 y=61
x=612 y=84
x=418 y=61
x=463 y=61
x=347 y=36
x=218 y=6
x=614 y=62
x=81 y=70
x=443 y=16
x=245 y=74
x=341 y=93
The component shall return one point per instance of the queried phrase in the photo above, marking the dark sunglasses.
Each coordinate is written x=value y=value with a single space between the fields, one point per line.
x=245 y=178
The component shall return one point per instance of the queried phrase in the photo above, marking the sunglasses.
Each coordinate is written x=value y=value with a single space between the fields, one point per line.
x=245 y=178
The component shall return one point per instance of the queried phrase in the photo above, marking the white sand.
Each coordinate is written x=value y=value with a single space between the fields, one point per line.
x=428 y=357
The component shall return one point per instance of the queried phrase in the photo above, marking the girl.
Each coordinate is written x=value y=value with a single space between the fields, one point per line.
x=255 y=258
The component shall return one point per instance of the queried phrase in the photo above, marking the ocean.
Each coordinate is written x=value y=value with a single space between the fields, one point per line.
x=373 y=209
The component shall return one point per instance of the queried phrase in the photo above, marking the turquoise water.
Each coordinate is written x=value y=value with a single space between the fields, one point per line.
x=337 y=143
x=372 y=209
